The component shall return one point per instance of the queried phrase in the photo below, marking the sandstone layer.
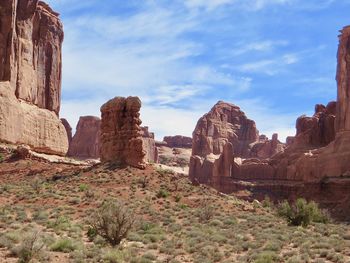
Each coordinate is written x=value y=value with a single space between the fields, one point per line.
x=178 y=141
x=68 y=130
x=224 y=123
x=149 y=145
x=86 y=141
x=31 y=38
x=30 y=48
x=22 y=123
x=315 y=164
x=121 y=136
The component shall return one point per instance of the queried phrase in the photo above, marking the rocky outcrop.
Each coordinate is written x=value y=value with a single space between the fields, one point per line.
x=224 y=123
x=86 y=141
x=31 y=37
x=121 y=137
x=149 y=145
x=266 y=148
x=22 y=123
x=30 y=48
x=316 y=163
x=178 y=141
x=318 y=130
x=68 y=129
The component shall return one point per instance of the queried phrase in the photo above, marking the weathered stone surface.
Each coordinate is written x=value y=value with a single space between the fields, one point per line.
x=149 y=145
x=121 y=137
x=68 y=129
x=178 y=141
x=146 y=133
x=316 y=131
x=343 y=79
x=224 y=123
x=267 y=148
x=86 y=141
x=22 y=123
x=31 y=38
x=316 y=163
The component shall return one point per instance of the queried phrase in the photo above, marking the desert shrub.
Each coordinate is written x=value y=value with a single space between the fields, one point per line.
x=1 y=158
x=302 y=213
x=162 y=193
x=36 y=185
x=267 y=203
x=64 y=245
x=112 y=221
x=30 y=248
x=83 y=187
x=164 y=172
x=266 y=257
x=206 y=211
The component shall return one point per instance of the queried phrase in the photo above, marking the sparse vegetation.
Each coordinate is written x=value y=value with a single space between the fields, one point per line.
x=112 y=221
x=193 y=224
x=302 y=213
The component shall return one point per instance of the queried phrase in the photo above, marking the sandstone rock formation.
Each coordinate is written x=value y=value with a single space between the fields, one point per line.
x=316 y=163
x=178 y=141
x=121 y=137
x=68 y=130
x=149 y=145
x=86 y=141
x=22 y=123
x=318 y=130
x=31 y=37
x=30 y=48
x=266 y=148
x=224 y=123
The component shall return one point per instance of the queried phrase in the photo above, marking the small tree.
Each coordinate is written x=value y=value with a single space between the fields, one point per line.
x=112 y=221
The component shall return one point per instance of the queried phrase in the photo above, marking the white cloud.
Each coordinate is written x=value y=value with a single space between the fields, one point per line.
x=269 y=66
x=261 y=46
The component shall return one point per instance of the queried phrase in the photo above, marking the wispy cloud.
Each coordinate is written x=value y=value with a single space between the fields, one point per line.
x=271 y=66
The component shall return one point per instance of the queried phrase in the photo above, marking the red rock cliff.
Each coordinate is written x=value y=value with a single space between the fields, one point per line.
x=31 y=36
x=86 y=140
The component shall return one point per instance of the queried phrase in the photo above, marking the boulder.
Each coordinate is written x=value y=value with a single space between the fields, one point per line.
x=86 y=141
x=121 y=136
x=178 y=141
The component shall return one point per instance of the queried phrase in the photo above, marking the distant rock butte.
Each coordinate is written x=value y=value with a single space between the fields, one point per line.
x=315 y=164
x=224 y=123
x=121 y=134
x=178 y=141
x=86 y=141
x=149 y=145
x=30 y=76
x=68 y=129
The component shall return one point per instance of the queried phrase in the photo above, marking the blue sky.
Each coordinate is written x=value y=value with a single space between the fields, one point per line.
x=274 y=58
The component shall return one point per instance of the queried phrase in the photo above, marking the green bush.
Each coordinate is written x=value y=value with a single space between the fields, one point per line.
x=302 y=213
x=112 y=221
x=162 y=193
x=63 y=245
